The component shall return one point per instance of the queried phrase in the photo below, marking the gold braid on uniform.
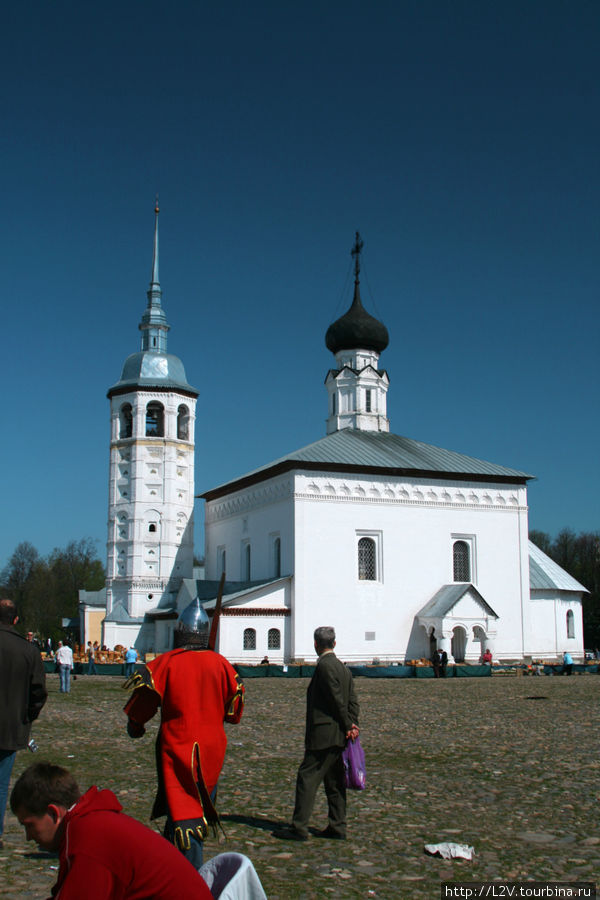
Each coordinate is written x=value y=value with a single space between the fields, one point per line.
x=239 y=695
x=134 y=681
x=186 y=830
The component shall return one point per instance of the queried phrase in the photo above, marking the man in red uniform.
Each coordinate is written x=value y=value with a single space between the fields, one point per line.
x=104 y=854
x=198 y=690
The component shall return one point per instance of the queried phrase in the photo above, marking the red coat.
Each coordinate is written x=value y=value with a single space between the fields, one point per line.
x=197 y=690
x=106 y=855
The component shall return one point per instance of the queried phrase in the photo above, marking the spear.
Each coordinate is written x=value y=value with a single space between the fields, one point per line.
x=214 y=625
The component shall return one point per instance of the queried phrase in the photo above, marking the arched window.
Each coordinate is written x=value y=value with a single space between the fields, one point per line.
x=183 y=423
x=249 y=639
x=155 y=420
x=125 y=421
x=277 y=557
x=274 y=639
x=570 y=624
x=367 y=559
x=152 y=527
x=462 y=561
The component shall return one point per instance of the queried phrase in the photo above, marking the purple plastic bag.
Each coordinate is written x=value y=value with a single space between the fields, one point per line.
x=355 y=770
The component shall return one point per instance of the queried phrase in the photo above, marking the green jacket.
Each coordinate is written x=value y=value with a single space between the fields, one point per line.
x=331 y=704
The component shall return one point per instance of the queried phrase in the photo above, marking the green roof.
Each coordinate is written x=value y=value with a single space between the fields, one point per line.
x=372 y=452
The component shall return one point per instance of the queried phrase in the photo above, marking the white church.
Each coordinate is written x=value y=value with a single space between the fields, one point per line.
x=402 y=546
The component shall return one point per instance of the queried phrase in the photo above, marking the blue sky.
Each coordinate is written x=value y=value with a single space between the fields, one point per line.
x=461 y=139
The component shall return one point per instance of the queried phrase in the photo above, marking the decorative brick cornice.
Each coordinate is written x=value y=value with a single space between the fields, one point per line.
x=252 y=611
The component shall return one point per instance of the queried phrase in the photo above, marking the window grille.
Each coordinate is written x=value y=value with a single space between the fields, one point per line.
x=462 y=562
x=249 y=639
x=367 y=559
x=274 y=639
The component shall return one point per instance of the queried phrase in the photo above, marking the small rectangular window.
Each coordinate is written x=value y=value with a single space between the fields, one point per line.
x=369 y=635
x=368 y=400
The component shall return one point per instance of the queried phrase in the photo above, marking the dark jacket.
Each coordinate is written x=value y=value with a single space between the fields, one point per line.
x=22 y=688
x=331 y=704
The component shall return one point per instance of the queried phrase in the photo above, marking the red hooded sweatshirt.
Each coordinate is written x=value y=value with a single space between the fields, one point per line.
x=106 y=855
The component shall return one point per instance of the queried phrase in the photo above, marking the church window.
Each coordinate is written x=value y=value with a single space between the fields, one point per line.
x=368 y=400
x=570 y=624
x=277 y=557
x=152 y=527
x=125 y=421
x=461 y=561
x=249 y=639
x=155 y=420
x=222 y=560
x=274 y=639
x=367 y=559
x=183 y=423
x=333 y=404
x=247 y=562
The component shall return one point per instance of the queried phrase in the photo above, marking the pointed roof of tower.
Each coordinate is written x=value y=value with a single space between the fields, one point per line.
x=356 y=329
x=152 y=367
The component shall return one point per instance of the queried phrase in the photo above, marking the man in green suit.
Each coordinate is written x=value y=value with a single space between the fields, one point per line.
x=331 y=718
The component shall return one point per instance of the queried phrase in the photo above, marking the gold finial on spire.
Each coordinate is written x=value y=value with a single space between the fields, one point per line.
x=156 y=207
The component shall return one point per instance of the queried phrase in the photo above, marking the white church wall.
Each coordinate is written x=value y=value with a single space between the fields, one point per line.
x=414 y=524
x=549 y=634
x=232 y=627
x=151 y=497
x=254 y=517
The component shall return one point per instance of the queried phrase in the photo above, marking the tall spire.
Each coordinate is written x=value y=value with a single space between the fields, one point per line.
x=155 y=280
x=154 y=325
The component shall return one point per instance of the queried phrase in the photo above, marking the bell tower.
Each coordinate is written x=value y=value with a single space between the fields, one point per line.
x=151 y=480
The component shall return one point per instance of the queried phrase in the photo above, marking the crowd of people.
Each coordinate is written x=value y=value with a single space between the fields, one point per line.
x=103 y=853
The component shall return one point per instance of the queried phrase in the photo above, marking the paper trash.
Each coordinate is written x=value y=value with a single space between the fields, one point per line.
x=450 y=851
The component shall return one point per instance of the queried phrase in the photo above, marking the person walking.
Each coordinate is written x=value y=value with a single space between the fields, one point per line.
x=331 y=719
x=22 y=695
x=64 y=661
x=91 y=655
x=198 y=690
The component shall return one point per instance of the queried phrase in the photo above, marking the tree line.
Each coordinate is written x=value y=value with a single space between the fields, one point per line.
x=46 y=589
x=579 y=555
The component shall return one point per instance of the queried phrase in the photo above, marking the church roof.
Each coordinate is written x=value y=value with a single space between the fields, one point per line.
x=120 y=615
x=448 y=596
x=153 y=370
x=357 y=329
x=545 y=573
x=376 y=452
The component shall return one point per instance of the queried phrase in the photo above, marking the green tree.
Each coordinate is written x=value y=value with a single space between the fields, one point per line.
x=47 y=590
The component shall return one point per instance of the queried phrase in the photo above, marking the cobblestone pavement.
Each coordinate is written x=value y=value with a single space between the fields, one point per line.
x=508 y=765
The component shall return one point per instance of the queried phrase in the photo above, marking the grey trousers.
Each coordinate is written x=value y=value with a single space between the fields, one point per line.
x=321 y=766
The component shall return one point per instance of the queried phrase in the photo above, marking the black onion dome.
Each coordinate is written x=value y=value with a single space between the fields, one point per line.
x=356 y=330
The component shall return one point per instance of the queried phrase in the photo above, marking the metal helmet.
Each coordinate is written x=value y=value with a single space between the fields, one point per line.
x=193 y=626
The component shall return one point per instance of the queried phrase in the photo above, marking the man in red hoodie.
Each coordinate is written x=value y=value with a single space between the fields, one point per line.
x=104 y=854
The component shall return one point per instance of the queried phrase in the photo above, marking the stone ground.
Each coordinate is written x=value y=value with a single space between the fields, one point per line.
x=506 y=764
